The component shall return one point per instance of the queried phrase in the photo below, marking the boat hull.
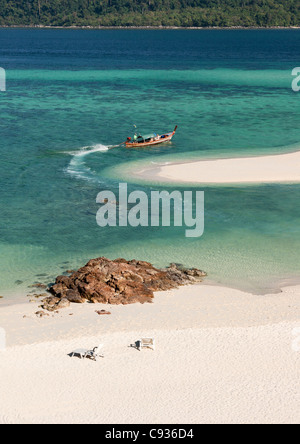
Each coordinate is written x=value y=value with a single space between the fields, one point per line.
x=157 y=141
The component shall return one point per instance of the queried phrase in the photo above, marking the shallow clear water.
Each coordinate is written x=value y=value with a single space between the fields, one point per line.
x=72 y=93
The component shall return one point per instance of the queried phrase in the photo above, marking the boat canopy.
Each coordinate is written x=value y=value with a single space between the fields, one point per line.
x=148 y=136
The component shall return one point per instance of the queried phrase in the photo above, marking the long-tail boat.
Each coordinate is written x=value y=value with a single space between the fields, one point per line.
x=149 y=139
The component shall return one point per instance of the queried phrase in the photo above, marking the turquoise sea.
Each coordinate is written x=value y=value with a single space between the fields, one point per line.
x=71 y=93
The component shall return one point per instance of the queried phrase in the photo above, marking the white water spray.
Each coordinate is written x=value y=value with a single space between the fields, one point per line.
x=77 y=166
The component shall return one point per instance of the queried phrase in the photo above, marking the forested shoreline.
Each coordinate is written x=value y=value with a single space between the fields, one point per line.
x=150 y=13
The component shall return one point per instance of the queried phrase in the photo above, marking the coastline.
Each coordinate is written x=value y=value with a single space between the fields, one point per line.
x=191 y=306
x=278 y=168
x=151 y=27
x=209 y=334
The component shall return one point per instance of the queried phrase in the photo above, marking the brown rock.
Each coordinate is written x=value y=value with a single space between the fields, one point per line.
x=63 y=303
x=50 y=303
x=119 y=282
x=41 y=314
x=74 y=296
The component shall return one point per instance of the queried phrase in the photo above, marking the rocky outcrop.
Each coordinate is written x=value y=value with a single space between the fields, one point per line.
x=118 y=282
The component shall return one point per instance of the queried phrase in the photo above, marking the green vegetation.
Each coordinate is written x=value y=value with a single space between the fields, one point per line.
x=185 y=13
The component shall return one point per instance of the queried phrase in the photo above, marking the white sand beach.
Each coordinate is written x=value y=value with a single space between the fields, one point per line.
x=284 y=168
x=222 y=356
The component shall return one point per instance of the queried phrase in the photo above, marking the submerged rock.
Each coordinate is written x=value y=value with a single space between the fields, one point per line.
x=118 y=282
x=38 y=285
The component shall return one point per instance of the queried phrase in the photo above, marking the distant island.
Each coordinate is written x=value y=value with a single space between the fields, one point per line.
x=151 y=13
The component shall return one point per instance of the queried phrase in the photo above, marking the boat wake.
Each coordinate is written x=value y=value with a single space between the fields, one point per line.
x=77 y=166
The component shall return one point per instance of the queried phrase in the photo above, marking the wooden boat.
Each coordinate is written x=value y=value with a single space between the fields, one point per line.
x=150 y=139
